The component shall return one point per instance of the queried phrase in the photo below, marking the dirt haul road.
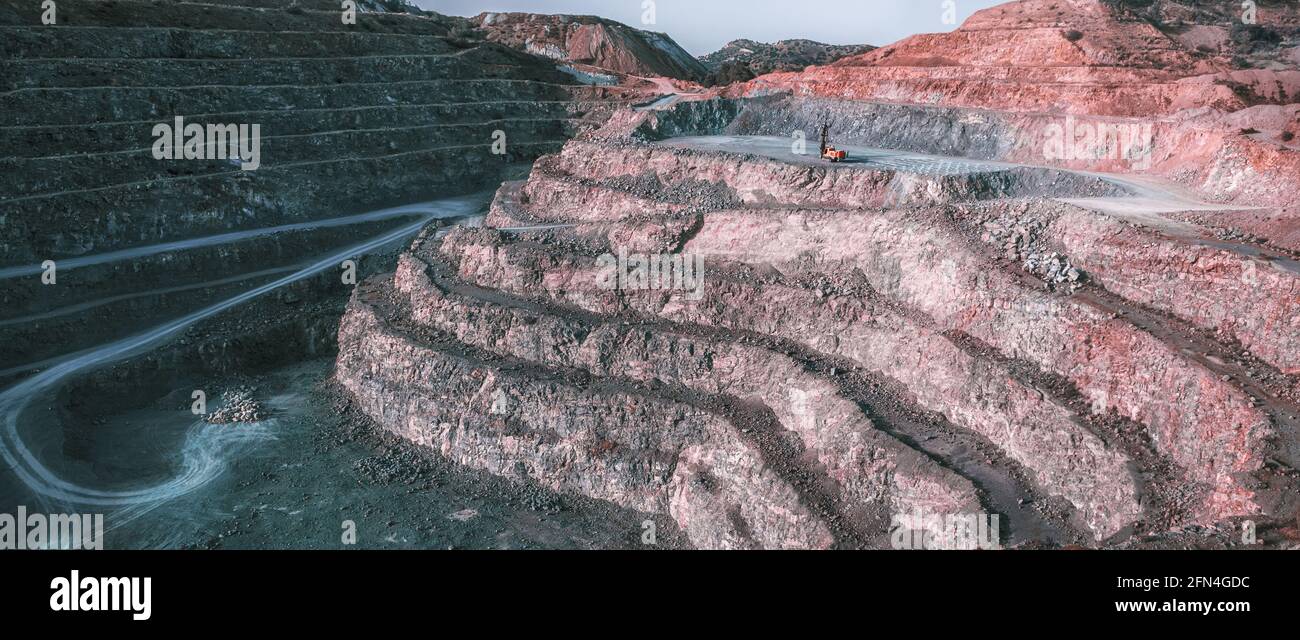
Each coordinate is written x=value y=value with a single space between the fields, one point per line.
x=16 y=399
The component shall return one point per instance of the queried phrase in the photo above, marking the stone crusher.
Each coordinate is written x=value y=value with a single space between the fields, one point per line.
x=829 y=152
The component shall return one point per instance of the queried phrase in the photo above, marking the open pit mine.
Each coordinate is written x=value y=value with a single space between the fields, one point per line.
x=535 y=281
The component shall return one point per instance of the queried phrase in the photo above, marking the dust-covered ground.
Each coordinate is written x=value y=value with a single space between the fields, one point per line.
x=315 y=472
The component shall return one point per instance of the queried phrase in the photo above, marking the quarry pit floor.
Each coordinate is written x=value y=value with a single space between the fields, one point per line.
x=315 y=472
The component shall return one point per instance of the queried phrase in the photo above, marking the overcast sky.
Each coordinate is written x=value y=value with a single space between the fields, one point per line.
x=703 y=26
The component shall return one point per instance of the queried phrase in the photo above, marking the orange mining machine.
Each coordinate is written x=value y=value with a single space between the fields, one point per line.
x=829 y=152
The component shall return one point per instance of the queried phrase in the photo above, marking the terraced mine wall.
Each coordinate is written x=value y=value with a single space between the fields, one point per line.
x=395 y=109
x=700 y=479
x=169 y=287
x=870 y=315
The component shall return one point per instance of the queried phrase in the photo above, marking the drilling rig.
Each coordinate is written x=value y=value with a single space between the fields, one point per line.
x=829 y=152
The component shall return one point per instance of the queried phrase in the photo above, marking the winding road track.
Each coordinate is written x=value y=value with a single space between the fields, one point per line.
x=197 y=467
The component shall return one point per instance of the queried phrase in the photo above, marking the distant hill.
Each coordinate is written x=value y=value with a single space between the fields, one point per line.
x=592 y=41
x=786 y=55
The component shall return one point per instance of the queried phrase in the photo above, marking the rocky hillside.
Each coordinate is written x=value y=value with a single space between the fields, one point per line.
x=591 y=41
x=1088 y=57
x=1270 y=41
x=786 y=55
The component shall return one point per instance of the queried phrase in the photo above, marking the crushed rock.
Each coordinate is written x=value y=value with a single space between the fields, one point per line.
x=238 y=405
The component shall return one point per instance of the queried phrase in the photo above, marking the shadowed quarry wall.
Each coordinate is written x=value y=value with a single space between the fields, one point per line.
x=394 y=109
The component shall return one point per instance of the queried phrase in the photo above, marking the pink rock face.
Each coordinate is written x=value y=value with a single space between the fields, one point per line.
x=1254 y=300
x=1041 y=376
x=592 y=41
x=1045 y=59
x=973 y=392
x=876 y=472
x=646 y=454
x=1041 y=56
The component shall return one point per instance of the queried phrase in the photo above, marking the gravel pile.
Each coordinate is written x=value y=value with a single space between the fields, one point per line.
x=1018 y=238
x=1055 y=269
x=238 y=406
